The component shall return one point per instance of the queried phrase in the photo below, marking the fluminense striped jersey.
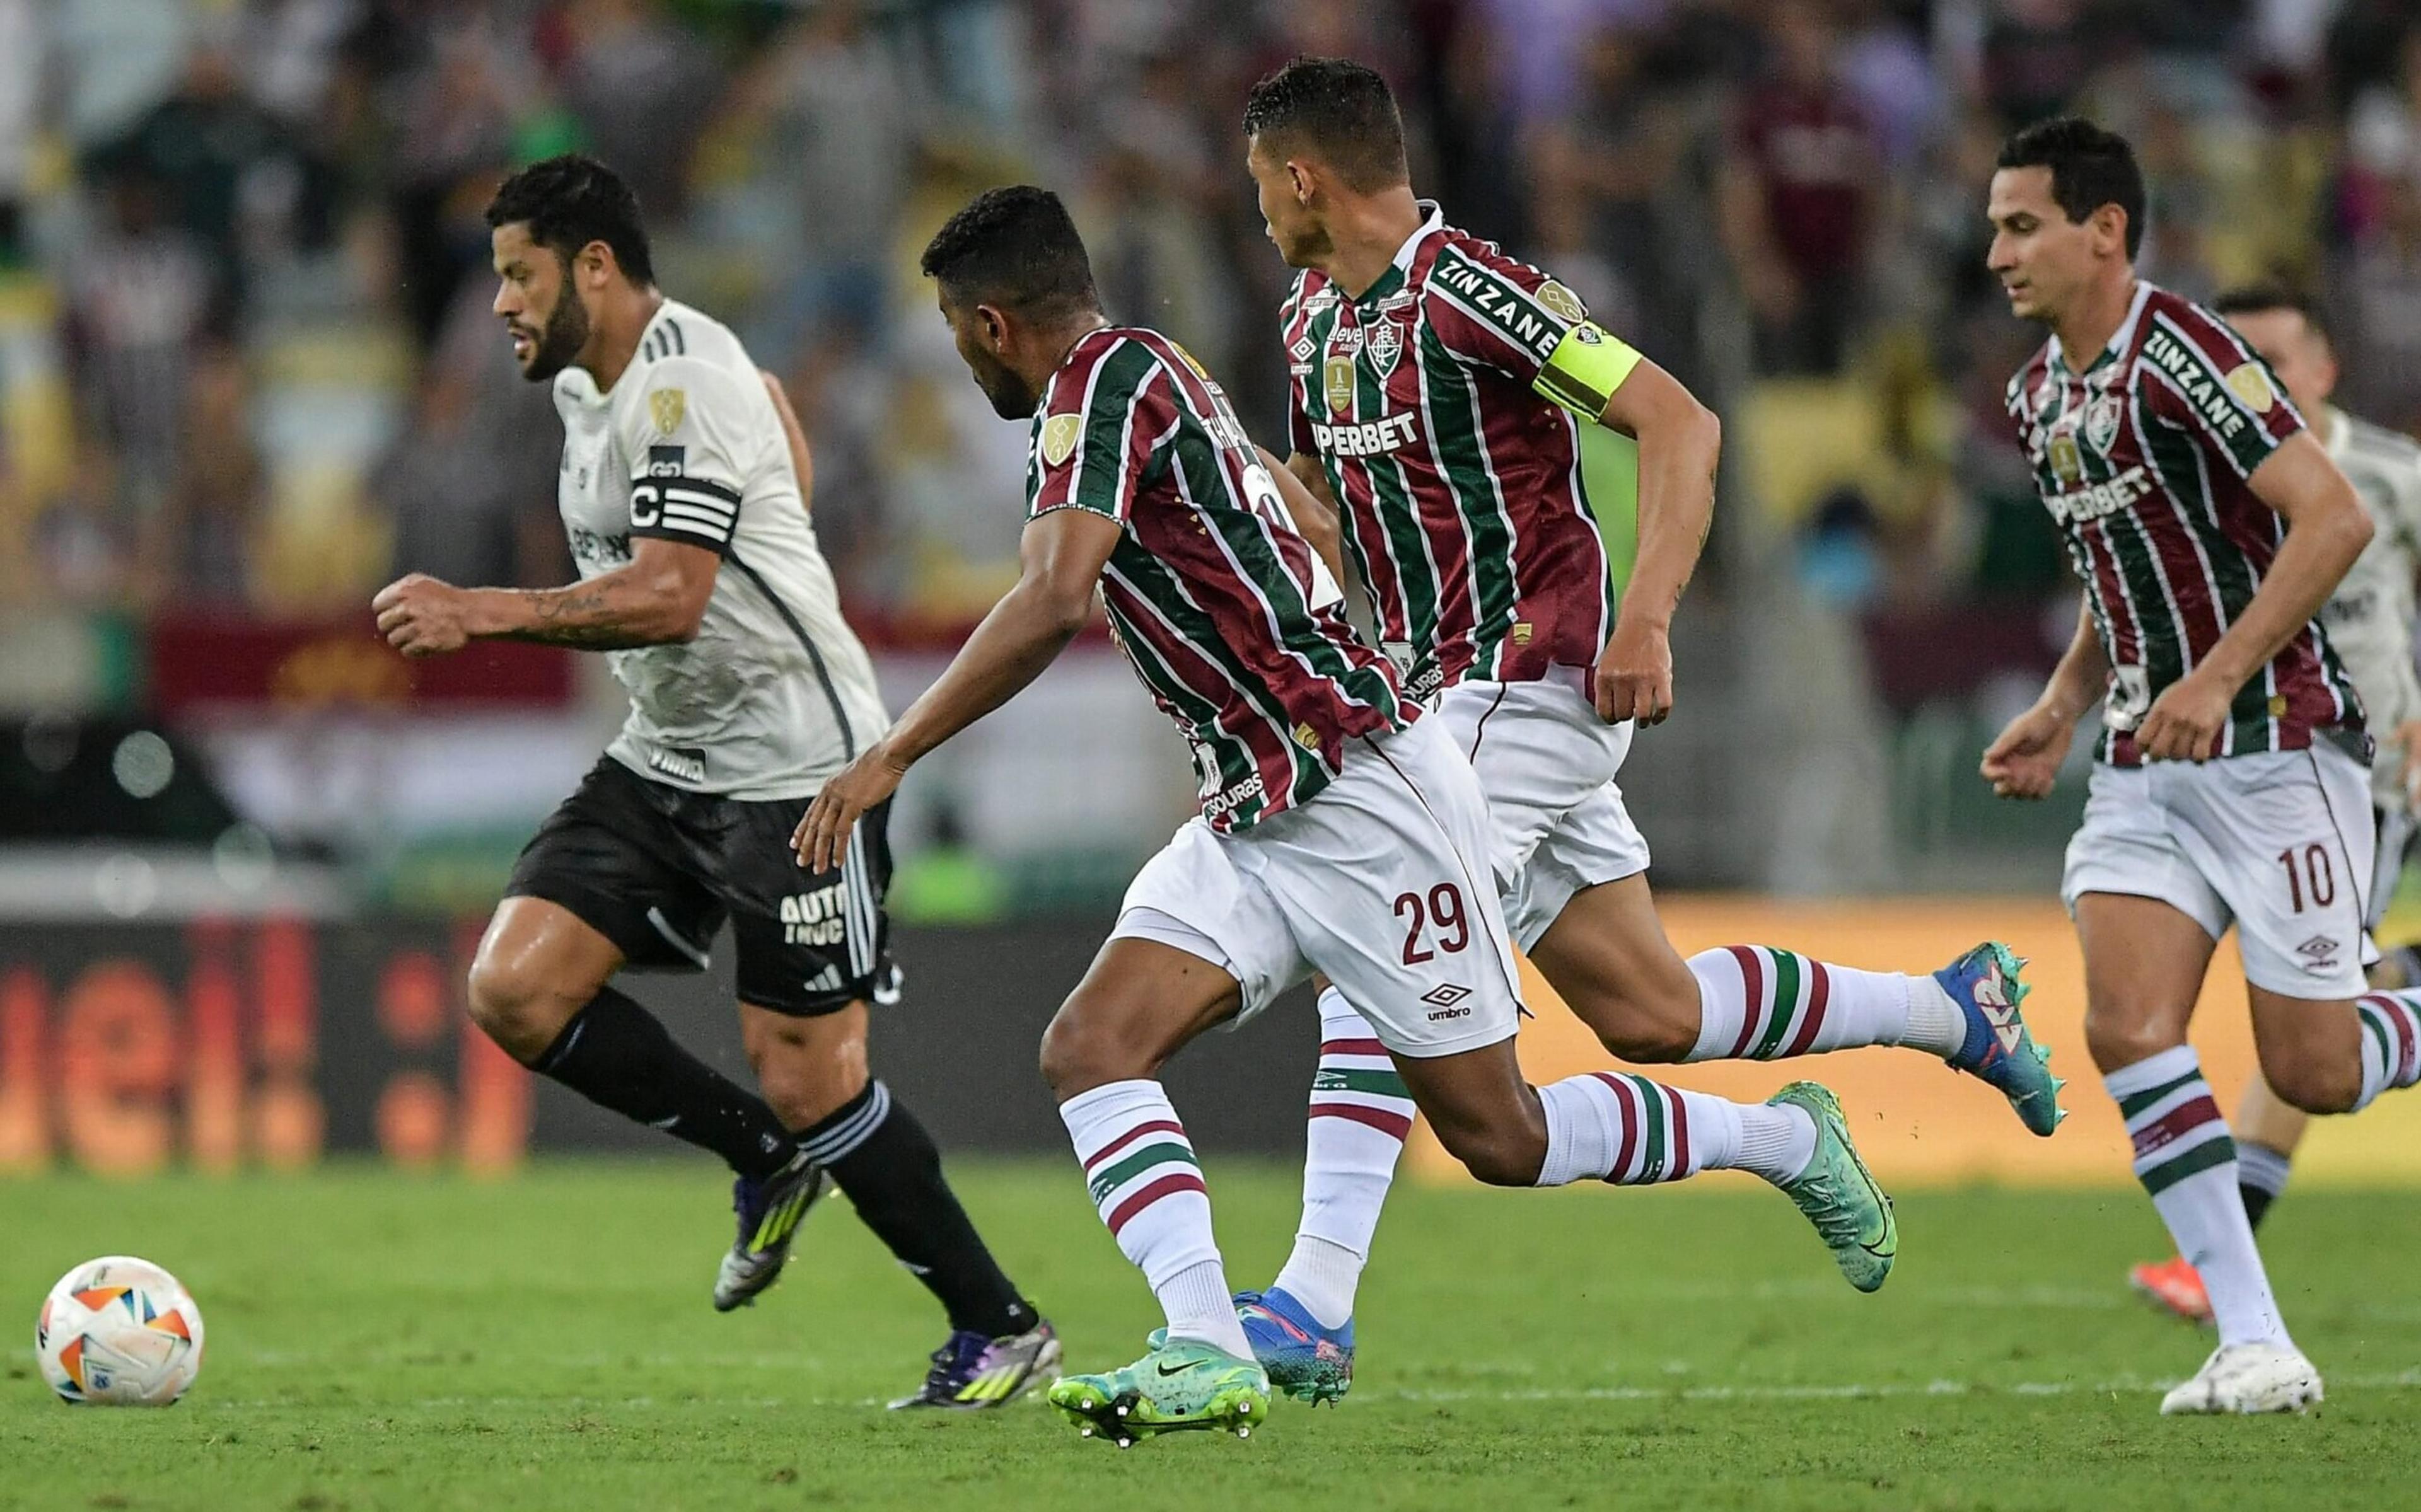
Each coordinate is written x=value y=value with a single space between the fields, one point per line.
x=2142 y=459
x=1460 y=484
x=1216 y=599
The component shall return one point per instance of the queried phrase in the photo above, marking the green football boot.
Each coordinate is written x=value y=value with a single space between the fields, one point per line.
x=1177 y=1386
x=1838 y=1193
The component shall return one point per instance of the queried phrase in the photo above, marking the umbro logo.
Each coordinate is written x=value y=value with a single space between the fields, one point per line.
x=1442 y=1001
x=1302 y=350
x=2320 y=954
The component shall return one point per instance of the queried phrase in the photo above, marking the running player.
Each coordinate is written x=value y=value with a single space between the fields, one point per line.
x=1332 y=812
x=1438 y=387
x=699 y=575
x=2370 y=624
x=2210 y=526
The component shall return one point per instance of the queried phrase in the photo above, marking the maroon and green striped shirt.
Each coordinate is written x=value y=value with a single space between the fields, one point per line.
x=2143 y=460
x=1460 y=485
x=1222 y=606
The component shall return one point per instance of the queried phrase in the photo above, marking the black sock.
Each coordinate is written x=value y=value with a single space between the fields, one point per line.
x=2256 y=1203
x=884 y=1159
x=615 y=1054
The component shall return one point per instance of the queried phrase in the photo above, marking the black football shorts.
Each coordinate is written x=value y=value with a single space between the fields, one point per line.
x=656 y=870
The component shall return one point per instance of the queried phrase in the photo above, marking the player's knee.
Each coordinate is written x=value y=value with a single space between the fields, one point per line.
x=2315 y=1083
x=2118 y=1037
x=1078 y=1055
x=516 y=1007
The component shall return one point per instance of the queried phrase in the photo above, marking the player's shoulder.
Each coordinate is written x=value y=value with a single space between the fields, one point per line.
x=1311 y=292
x=688 y=366
x=2170 y=318
x=2023 y=383
x=1104 y=370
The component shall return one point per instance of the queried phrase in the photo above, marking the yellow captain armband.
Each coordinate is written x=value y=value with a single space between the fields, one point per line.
x=1586 y=369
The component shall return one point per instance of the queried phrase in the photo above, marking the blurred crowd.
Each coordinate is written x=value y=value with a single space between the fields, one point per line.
x=246 y=362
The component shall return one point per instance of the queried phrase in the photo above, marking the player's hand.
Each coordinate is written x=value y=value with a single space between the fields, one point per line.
x=822 y=837
x=2407 y=737
x=421 y=615
x=1635 y=676
x=2183 y=724
x=2023 y=760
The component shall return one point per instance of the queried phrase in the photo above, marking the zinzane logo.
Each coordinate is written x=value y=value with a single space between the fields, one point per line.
x=815 y=918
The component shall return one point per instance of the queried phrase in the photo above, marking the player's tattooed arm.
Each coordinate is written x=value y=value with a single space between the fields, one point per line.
x=659 y=597
x=1061 y=559
x=802 y=460
x=1681 y=442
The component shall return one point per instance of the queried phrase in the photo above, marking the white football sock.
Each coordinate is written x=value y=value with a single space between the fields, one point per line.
x=1756 y=1003
x=1360 y=1115
x=1632 y=1131
x=2187 y=1161
x=1140 y=1169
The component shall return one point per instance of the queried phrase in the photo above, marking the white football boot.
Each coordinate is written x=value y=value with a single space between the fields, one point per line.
x=2247 y=1378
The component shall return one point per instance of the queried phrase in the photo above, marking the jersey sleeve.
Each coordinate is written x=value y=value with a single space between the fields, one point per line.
x=1094 y=438
x=681 y=437
x=1500 y=313
x=2197 y=376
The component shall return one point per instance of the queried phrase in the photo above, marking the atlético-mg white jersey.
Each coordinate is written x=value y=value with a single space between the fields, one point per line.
x=775 y=695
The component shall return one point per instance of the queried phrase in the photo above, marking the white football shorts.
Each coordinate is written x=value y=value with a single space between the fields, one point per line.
x=1379 y=881
x=1556 y=820
x=2279 y=843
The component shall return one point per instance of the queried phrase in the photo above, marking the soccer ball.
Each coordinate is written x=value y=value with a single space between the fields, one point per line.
x=119 y=1331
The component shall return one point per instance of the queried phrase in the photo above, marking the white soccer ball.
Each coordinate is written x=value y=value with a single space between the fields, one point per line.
x=121 y=1332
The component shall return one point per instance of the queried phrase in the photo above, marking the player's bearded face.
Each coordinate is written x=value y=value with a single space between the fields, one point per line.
x=559 y=341
x=978 y=338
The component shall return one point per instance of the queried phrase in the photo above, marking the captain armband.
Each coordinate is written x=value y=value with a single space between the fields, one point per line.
x=1586 y=369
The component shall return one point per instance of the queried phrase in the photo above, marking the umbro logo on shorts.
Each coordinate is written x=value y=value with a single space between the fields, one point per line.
x=1444 y=999
x=2320 y=954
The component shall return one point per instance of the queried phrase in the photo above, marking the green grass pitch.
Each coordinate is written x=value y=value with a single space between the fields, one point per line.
x=387 y=1341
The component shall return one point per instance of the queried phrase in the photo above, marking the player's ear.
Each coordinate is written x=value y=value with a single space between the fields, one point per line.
x=1299 y=174
x=994 y=328
x=2110 y=228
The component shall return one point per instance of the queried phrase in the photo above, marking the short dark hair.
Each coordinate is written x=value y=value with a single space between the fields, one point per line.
x=2271 y=294
x=571 y=200
x=1015 y=248
x=1341 y=110
x=2089 y=168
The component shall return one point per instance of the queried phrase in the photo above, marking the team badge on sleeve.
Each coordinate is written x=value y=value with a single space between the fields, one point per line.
x=1060 y=434
x=2251 y=385
x=669 y=407
x=1562 y=300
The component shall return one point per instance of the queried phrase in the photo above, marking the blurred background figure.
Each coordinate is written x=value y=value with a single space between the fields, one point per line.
x=248 y=372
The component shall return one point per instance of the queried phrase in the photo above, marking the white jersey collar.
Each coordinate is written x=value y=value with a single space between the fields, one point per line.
x=1432 y=219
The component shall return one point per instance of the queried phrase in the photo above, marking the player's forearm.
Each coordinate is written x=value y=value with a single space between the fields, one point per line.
x=1023 y=636
x=2311 y=562
x=1678 y=457
x=2082 y=673
x=617 y=611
